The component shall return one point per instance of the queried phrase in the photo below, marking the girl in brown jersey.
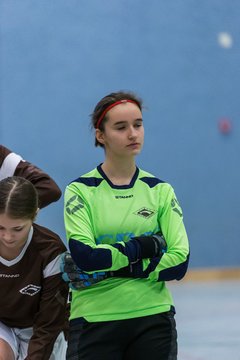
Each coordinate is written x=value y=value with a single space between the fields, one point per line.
x=33 y=294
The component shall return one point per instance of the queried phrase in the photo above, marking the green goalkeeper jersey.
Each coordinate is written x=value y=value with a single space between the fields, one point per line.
x=98 y=214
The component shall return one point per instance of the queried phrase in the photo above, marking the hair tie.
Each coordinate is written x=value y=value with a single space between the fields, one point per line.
x=110 y=107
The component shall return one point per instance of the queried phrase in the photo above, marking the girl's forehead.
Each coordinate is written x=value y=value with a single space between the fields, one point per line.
x=126 y=110
x=6 y=220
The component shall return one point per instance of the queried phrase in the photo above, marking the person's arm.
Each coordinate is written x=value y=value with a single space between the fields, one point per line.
x=48 y=190
x=174 y=263
x=79 y=225
x=50 y=320
x=13 y=164
x=78 y=279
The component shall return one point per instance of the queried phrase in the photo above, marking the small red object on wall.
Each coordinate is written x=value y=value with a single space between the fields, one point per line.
x=225 y=126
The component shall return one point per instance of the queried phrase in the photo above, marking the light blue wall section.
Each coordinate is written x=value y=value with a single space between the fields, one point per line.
x=58 y=58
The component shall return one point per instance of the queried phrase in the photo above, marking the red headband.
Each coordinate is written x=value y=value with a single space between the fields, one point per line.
x=111 y=106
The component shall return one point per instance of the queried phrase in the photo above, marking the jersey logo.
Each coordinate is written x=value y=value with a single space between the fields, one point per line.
x=74 y=204
x=123 y=196
x=176 y=207
x=144 y=212
x=30 y=290
x=9 y=276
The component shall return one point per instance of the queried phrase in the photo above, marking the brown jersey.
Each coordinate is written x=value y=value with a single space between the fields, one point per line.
x=13 y=164
x=33 y=293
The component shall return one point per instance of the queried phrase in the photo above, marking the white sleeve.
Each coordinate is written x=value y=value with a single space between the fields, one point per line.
x=9 y=165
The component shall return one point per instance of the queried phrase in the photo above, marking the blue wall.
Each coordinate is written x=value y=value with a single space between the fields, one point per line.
x=58 y=58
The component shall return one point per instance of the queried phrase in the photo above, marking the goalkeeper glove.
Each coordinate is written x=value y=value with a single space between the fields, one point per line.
x=75 y=277
x=143 y=247
x=78 y=279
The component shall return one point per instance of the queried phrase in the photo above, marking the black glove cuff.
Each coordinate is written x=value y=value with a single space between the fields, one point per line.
x=148 y=246
x=151 y=246
x=161 y=245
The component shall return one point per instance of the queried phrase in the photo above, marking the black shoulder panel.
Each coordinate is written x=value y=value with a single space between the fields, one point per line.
x=89 y=181
x=151 y=181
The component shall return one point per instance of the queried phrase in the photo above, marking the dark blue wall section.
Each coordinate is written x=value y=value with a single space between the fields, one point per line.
x=59 y=57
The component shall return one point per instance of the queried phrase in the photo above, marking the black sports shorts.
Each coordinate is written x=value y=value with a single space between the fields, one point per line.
x=146 y=338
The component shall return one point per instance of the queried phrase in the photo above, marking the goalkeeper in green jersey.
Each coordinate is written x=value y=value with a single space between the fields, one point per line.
x=127 y=239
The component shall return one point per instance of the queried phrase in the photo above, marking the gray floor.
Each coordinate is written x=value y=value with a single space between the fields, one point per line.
x=208 y=319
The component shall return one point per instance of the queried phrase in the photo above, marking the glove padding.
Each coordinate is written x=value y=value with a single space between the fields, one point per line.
x=78 y=279
x=75 y=277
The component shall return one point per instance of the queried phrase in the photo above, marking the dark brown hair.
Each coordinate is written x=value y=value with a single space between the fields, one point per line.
x=109 y=100
x=18 y=198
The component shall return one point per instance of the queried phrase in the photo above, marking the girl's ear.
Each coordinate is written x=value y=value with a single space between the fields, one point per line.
x=99 y=136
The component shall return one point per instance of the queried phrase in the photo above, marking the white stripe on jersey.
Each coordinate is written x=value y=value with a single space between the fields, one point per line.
x=52 y=268
x=9 y=165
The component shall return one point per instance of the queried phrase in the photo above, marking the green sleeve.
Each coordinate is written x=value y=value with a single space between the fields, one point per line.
x=174 y=262
x=79 y=226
